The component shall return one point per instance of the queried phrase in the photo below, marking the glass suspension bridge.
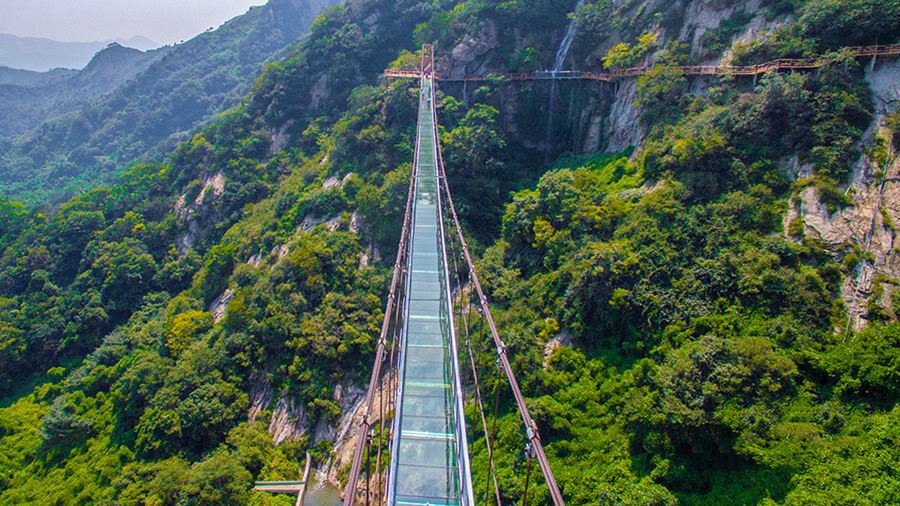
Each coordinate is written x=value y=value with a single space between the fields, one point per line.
x=412 y=447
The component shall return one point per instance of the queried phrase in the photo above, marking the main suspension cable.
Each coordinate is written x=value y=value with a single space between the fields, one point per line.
x=531 y=428
x=366 y=423
x=478 y=400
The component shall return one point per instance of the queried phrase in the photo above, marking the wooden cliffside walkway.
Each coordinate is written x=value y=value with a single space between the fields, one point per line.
x=699 y=70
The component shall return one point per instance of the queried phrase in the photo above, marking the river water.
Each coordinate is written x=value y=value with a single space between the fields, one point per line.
x=322 y=494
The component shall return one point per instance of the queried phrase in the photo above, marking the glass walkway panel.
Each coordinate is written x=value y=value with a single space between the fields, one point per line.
x=429 y=456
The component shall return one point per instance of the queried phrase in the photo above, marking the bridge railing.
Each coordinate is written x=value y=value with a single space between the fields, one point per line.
x=384 y=354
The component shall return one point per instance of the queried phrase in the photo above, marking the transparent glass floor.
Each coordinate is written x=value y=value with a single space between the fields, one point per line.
x=425 y=454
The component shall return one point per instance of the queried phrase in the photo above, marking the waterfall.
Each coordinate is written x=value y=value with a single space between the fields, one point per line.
x=566 y=43
x=561 y=54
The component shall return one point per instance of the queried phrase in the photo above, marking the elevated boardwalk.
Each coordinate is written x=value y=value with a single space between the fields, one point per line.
x=280 y=487
x=429 y=454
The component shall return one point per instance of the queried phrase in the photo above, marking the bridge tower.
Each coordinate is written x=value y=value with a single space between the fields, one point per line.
x=427 y=60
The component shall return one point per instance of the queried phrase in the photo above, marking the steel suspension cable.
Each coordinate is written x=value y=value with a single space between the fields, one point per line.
x=478 y=400
x=496 y=410
x=387 y=388
x=391 y=392
x=530 y=426
x=366 y=424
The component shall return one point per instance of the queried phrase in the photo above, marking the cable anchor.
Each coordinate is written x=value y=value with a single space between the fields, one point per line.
x=530 y=453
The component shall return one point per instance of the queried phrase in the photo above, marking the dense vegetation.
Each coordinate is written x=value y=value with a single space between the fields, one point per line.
x=705 y=366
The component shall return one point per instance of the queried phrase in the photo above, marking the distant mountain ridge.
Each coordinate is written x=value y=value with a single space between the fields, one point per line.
x=165 y=93
x=27 y=98
x=31 y=78
x=138 y=42
x=40 y=54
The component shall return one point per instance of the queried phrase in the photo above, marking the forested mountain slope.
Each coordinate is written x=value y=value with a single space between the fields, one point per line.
x=147 y=109
x=18 y=77
x=27 y=99
x=671 y=287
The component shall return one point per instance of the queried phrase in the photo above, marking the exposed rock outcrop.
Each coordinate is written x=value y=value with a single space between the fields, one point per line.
x=869 y=225
x=467 y=57
x=622 y=126
x=280 y=138
x=255 y=260
x=884 y=79
x=353 y=406
x=220 y=304
x=703 y=16
x=864 y=225
x=260 y=396
x=281 y=250
x=288 y=420
x=200 y=211
x=564 y=338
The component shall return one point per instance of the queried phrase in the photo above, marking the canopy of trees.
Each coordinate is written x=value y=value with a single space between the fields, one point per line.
x=703 y=364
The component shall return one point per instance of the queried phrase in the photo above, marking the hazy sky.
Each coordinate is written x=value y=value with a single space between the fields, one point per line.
x=164 y=21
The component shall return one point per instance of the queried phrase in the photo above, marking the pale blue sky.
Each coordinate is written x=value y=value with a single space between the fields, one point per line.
x=164 y=21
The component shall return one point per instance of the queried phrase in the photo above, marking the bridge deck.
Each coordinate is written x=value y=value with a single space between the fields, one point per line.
x=429 y=454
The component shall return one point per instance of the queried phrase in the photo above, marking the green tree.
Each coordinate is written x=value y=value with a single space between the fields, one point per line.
x=185 y=328
x=660 y=94
x=473 y=152
x=220 y=479
x=624 y=55
x=217 y=267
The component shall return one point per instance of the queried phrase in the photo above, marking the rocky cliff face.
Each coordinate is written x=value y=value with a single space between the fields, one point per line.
x=867 y=227
x=606 y=119
x=621 y=127
x=610 y=120
x=468 y=56
x=198 y=213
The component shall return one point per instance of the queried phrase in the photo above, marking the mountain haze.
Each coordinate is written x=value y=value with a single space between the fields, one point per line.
x=29 y=78
x=40 y=55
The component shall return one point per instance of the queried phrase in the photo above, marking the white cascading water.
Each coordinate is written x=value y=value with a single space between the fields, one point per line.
x=561 y=54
